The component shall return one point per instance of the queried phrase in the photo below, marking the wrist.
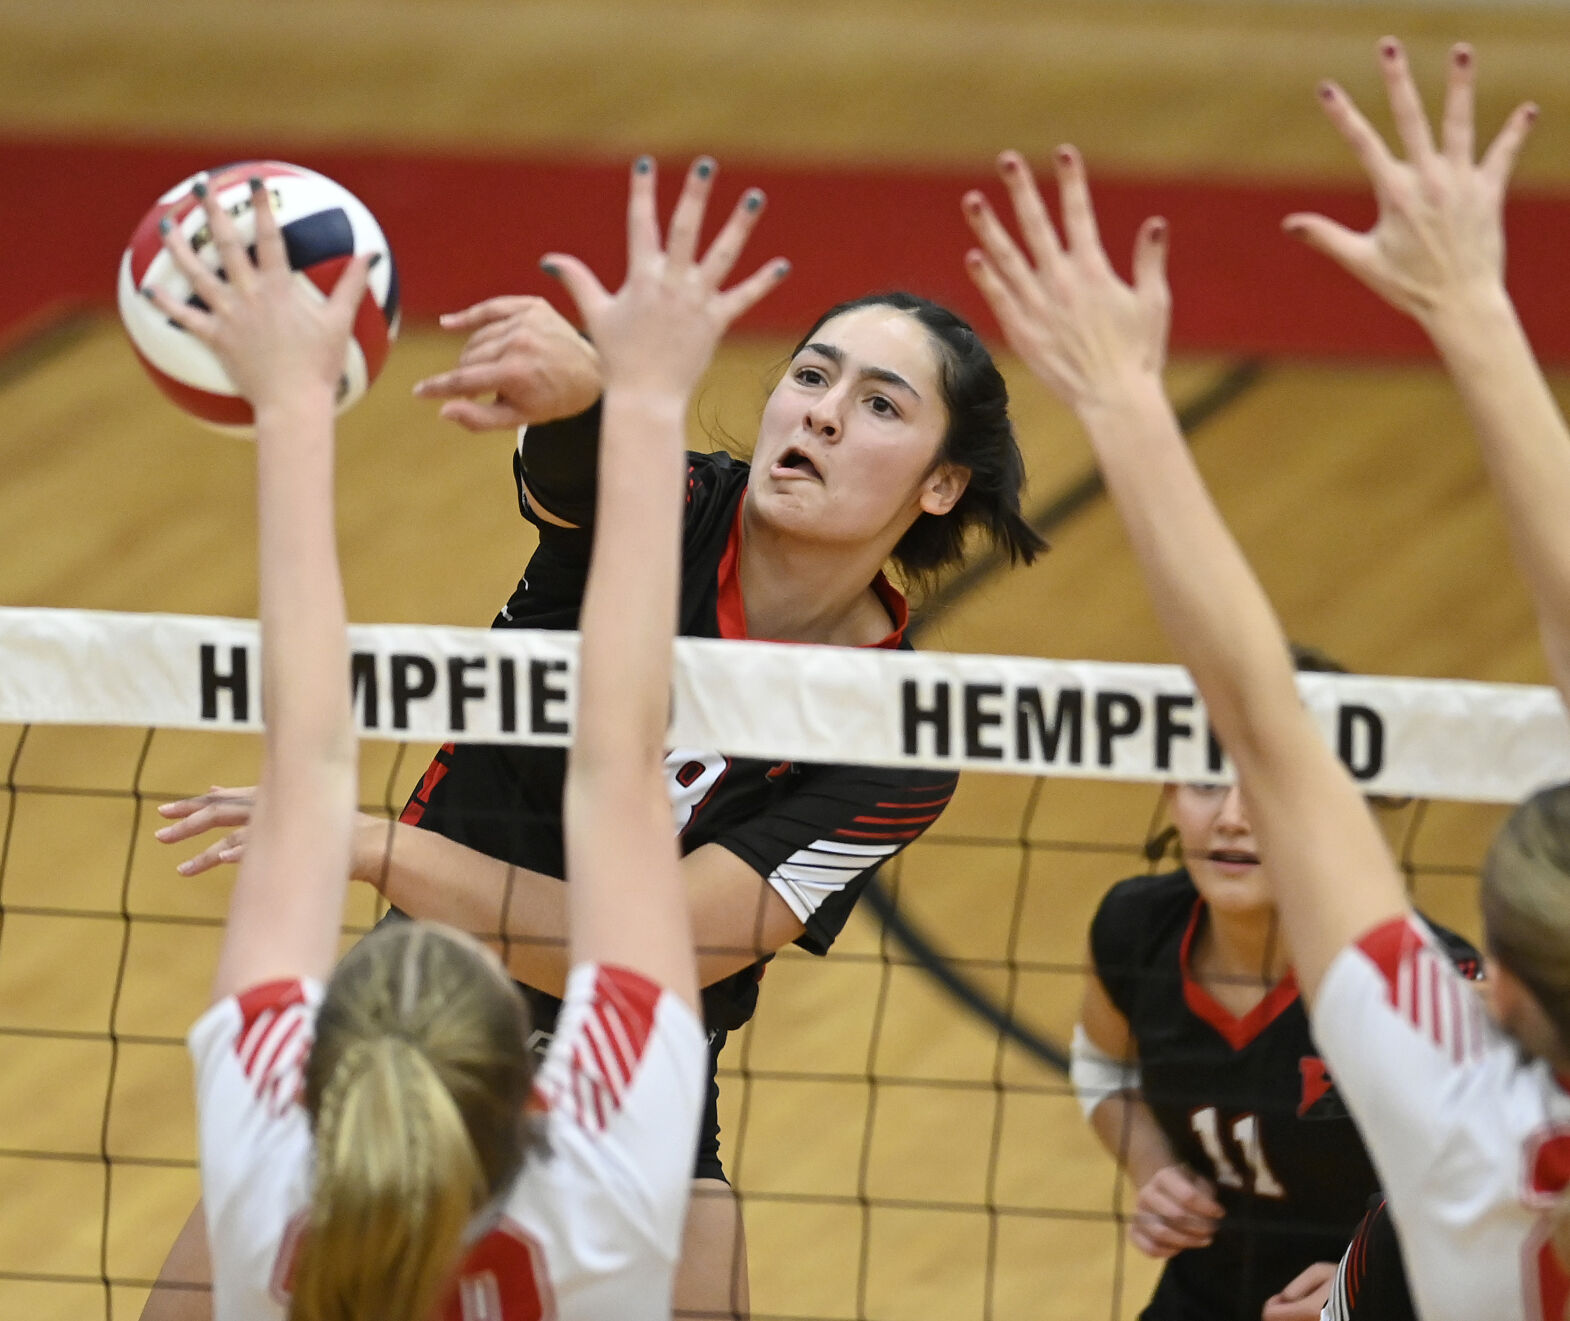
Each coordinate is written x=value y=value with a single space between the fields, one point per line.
x=1470 y=317
x=1113 y=406
x=300 y=404
x=655 y=402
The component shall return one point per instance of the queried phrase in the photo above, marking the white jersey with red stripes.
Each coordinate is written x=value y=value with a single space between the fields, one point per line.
x=1471 y=1139
x=590 y=1230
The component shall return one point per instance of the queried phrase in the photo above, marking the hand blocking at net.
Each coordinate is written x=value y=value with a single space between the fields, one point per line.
x=272 y=338
x=1439 y=236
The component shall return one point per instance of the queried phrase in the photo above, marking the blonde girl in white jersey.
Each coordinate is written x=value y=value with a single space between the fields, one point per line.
x=367 y=1134
x=1468 y=1119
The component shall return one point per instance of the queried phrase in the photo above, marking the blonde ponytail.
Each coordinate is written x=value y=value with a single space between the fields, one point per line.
x=397 y=1180
x=416 y=1086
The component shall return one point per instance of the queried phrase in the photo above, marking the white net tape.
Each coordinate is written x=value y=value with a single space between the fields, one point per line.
x=1094 y=719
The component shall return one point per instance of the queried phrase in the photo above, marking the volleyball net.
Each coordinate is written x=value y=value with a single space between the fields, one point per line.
x=895 y=1118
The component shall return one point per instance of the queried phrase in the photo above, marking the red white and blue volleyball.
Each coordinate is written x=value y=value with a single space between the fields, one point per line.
x=324 y=226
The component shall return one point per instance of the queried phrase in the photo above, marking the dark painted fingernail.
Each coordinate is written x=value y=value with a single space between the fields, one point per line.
x=256 y=183
x=1009 y=162
x=1389 y=49
x=644 y=164
x=704 y=168
x=199 y=188
x=1065 y=155
x=1158 y=230
x=549 y=267
x=148 y=294
x=1327 y=91
x=165 y=225
x=754 y=199
x=782 y=269
x=1463 y=56
x=376 y=260
x=972 y=203
x=1531 y=114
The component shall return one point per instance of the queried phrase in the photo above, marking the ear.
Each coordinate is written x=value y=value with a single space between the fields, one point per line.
x=942 y=488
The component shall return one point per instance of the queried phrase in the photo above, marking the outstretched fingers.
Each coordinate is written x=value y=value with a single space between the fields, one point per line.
x=1354 y=252
x=643 y=222
x=998 y=292
x=1029 y=209
x=725 y=251
x=204 y=283
x=580 y=282
x=350 y=289
x=1499 y=160
x=1079 y=213
x=734 y=303
x=1360 y=135
x=1456 y=131
x=1005 y=262
x=681 y=240
x=1150 y=264
x=1406 y=106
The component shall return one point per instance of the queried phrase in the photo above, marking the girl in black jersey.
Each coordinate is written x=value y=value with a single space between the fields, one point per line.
x=1194 y=1063
x=887 y=440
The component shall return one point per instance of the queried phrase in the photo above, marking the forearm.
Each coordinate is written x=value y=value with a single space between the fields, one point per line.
x=305 y=657
x=1210 y=604
x=519 y=912
x=559 y=463
x=287 y=905
x=1128 y=1130
x=1525 y=446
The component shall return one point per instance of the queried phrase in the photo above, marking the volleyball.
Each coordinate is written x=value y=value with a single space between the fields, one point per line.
x=324 y=226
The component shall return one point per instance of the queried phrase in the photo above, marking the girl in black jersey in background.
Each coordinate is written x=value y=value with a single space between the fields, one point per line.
x=1195 y=1066
x=887 y=440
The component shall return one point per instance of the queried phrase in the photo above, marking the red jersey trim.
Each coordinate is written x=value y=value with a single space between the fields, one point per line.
x=610 y=1048
x=1423 y=988
x=732 y=612
x=1236 y=1032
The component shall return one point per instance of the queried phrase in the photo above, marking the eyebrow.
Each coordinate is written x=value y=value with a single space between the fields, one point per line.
x=837 y=357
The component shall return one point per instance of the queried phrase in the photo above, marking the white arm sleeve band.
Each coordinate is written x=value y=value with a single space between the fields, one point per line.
x=1097 y=1075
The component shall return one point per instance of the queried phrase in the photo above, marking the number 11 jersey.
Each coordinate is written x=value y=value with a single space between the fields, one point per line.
x=1247 y=1102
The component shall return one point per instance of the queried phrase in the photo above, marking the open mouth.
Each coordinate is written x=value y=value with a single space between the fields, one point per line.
x=796 y=463
x=1233 y=857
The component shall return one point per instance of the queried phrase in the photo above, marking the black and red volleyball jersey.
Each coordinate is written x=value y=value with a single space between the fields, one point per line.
x=1246 y=1102
x=814 y=833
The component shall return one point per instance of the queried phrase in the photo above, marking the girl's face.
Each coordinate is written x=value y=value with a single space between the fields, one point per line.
x=848 y=443
x=1218 y=847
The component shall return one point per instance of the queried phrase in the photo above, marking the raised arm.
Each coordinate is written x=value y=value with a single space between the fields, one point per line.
x=1436 y=252
x=627 y=903
x=1100 y=345
x=284 y=349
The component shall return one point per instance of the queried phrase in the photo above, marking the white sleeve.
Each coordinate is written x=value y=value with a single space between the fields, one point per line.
x=623 y=1084
x=254 y=1136
x=1444 y=1107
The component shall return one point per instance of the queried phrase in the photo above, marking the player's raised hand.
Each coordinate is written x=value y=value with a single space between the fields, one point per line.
x=659 y=331
x=524 y=364
x=1175 y=1210
x=1440 y=233
x=273 y=334
x=1079 y=327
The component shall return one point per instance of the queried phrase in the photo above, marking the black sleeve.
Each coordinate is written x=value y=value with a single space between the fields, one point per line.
x=1113 y=944
x=818 y=845
x=560 y=462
